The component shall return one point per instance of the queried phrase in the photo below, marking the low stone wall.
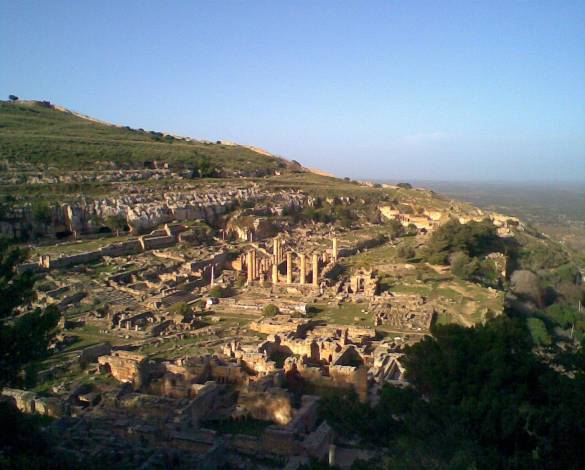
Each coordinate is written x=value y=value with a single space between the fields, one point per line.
x=71 y=260
x=363 y=245
x=130 y=247
x=92 y=353
x=156 y=242
x=30 y=402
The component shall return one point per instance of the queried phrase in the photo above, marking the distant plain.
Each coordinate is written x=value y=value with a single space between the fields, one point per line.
x=557 y=209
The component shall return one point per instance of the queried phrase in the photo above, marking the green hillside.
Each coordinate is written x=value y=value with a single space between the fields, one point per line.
x=31 y=132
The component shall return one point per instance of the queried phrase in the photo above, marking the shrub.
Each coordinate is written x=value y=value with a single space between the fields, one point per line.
x=270 y=310
x=216 y=291
x=116 y=223
x=561 y=315
x=395 y=228
x=405 y=251
x=538 y=332
x=182 y=309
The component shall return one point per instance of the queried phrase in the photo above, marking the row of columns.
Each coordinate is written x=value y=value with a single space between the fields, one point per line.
x=253 y=266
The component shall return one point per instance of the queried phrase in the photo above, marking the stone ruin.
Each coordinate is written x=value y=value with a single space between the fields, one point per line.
x=364 y=282
x=403 y=312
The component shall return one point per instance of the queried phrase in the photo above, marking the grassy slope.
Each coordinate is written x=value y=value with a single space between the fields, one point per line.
x=35 y=134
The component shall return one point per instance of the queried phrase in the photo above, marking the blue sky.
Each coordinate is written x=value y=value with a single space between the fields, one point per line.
x=448 y=90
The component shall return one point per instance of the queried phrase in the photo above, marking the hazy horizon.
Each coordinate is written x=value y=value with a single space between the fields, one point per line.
x=575 y=184
x=456 y=91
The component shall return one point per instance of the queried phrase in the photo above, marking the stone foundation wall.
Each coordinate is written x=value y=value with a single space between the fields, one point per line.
x=156 y=242
x=30 y=402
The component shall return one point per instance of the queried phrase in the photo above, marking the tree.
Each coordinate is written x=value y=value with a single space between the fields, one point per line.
x=13 y=97
x=41 y=212
x=183 y=309
x=460 y=264
x=395 y=228
x=412 y=229
x=24 y=336
x=478 y=398
x=270 y=310
x=538 y=332
x=116 y=223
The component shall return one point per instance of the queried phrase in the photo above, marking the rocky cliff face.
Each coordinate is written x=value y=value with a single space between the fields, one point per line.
x=142 y=211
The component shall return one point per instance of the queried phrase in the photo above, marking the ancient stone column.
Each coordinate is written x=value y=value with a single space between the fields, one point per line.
x=303 y=269
x=334 y=251
x=275 y=249
x=274 y=272
x=250 y=267
x=289 y=279
x=316 y=270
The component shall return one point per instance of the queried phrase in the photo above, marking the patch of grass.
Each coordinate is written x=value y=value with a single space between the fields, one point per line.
x=345 y=314
x=75 y=247
x=373 y=257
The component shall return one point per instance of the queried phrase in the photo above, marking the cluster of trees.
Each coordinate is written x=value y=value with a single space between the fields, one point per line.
x=550 y=302
x=483 y=271
x=24 y=338
x=479 y=398
x=464 y=246
x=473 y=239
x=559 y=315
x=329 y=214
